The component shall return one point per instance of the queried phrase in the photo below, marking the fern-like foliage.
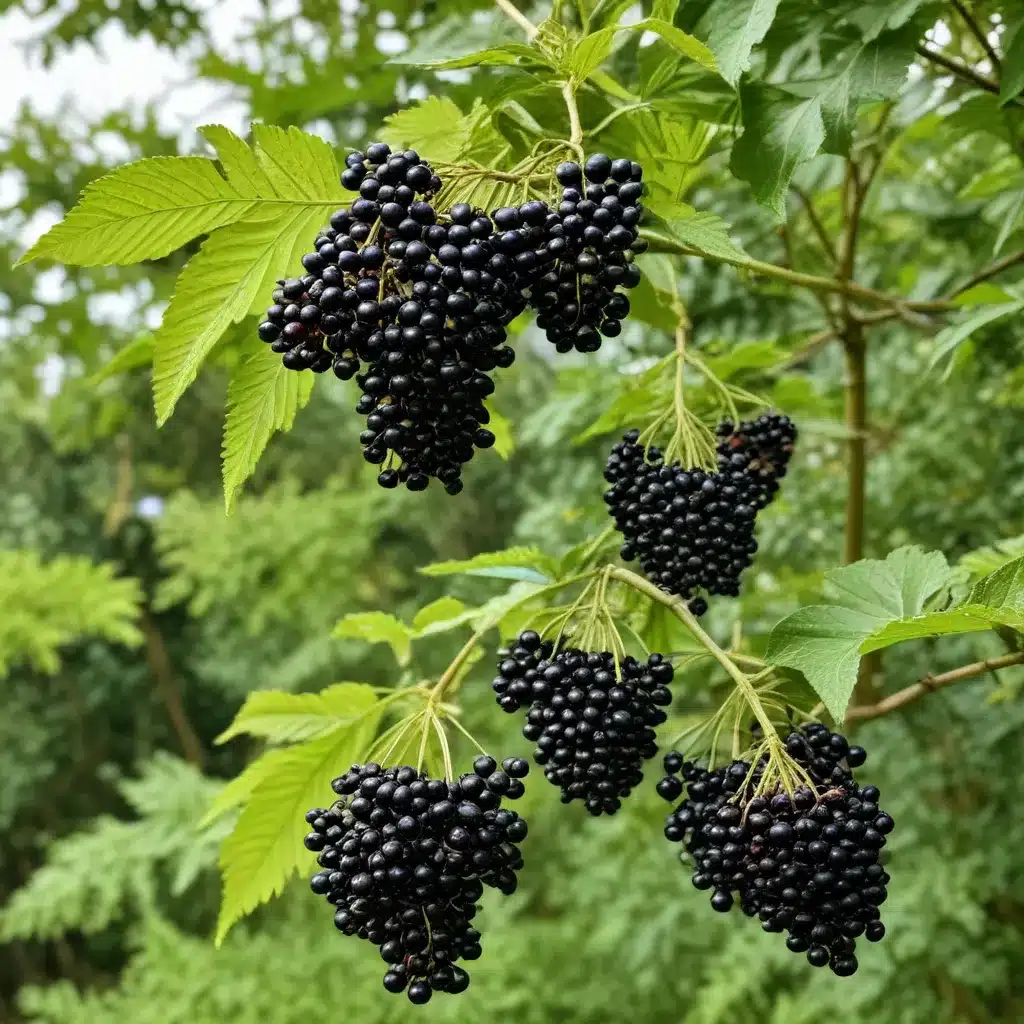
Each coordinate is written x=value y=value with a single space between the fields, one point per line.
x=111 y=869
x=44 y=605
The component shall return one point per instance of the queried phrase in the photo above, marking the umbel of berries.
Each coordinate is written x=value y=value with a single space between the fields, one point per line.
x=404 y=860
x=692 y=530
x=593 y=237
x=808 y=864
x=593 y=726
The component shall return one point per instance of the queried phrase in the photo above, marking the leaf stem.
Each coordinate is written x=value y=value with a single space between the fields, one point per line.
x=518 y=17
x=575 y=128
x=678 y=608
x=987 y=272
x=662 y=243
x=914 y=692
x=979 y=34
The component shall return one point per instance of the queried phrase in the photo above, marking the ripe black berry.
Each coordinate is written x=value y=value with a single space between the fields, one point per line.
x=807 y=863
x=593 y=727
x=404 y=860
x=693 y=530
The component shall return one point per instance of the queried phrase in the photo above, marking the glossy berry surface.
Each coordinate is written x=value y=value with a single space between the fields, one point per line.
x=692 y=530
x=593 y=727
x=807 y=864
x=404 y=860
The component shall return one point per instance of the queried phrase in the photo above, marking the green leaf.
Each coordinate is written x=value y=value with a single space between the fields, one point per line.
x=590 y=53
x=281 y=717
x=501 y=427
x=434 y=126
x=378 y=628
x=526 y=564
x=506 y=54
x=824 y=642
x=780 y=132
x=265 y=849
x=137 y=353
x=1011 y=83
x=53 y=603
x=680 y=41
x=143 y=211
x=985 y=560
x=1003 y=589
x=868 y=71
x=442 y=615
x=984 y=294
x=234 y=271
x=734 y=28
x=241 y=787
x=263 y=397
x=707 y=233
x=949 y=338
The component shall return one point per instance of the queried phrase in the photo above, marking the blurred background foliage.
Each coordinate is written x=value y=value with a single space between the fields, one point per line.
x=107 y=759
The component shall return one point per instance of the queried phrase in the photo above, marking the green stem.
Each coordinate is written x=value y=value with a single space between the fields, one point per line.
x=662 y=243
x=678 y=608
x=575 y=128
x=518 y=17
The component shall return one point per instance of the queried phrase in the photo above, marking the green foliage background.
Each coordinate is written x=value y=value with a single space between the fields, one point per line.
x=128 y=641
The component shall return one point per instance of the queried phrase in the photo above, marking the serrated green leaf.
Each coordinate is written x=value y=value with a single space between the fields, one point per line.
x=952 y=336
x=988 y=559
x=590 y=53
x=506 y=54
x=442 y=615
x=526 y=564
x=680 y=41
x=707 y=233
x=241 y=787
x=234 y=271
x=239 y=162
x=1002 y=589
x=824 y=642
x=281 y=717
x=265 y=849
x=135 y=354
x=378 y=628
x=734 y=28
x=435 y=127
x=143 y=211
x=1011 y=83
x=869 y=71
x=263 y=396
x=780 y=131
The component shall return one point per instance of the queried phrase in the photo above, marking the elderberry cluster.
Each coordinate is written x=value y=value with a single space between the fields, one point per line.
x=593 y=236
x=807 y=864
x=405 y=858
x=413 y=302
x=593 y=726
x=691 y=529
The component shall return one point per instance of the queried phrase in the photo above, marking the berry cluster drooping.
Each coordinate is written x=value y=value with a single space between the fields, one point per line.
x=693 y=530
x=593 y=727
x=807 y=864
x=413 y=302
x=593 y=237
x=404 y=859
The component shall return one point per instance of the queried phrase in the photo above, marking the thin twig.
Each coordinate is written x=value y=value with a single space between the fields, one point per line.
x=663 y=243
x=816 y=224
x=979 y=34
x=990 y=271
x=917 y=690
x=958 y=68
x=518 y=17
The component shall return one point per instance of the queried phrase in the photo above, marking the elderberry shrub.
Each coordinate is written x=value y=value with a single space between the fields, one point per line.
x=593 y=238
x=593 y=727
x=807 y=864
x=691 y=529
x=404 y=858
